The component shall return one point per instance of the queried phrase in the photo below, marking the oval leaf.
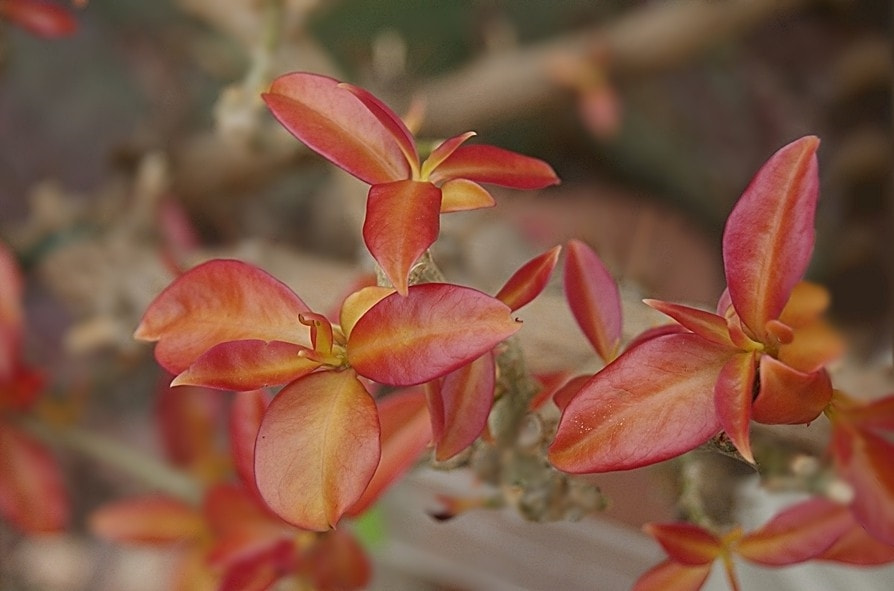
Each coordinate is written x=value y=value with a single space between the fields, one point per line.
x=652 y=403
x=244 y=422
x=333 y=122
x=217 y=302
x=317 y=448
x=594 y=299
x=402 y=221
x=463 y=195
x=769 y=235
x=489 y=164
x=436 y=328
x=788 y=396
x=32 y=492
x=39 y=17
x=188 y=419
x=390 y=120
x=462 y=401
x=527 y=283
x=153 y=519
x=247 y=365
x=732 y=399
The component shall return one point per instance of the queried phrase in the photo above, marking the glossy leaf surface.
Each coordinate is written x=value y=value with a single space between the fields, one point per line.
x=464 y=195
x=217 y=302
x=705 y=324
x=317 y=448
x=435 y=329
x=335 y=123
x=732 y=399
x=652 y=403
x=769 y=235
x=489 y=164
x=402 y=221
x=527 y=283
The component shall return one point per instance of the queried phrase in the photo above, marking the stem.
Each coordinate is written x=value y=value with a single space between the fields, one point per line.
x=137 y=464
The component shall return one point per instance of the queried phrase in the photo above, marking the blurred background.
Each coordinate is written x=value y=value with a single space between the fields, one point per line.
x=139 y=144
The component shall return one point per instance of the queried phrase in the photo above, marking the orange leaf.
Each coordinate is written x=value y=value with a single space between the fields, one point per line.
x=652 y=403
x=152 y=519
x=442 y=151
x=338 y=561
x=358 y=303
x=189 y=419
x=317 y=448
x=769 y=235
x=216 y=302
x=732 y=399
x=569 y=390
x=464 y=195
x=406 y=432
x=247 y=365
x=32 y=493
x=460 y=403
x=527 y=283
x=857 y=547
x=435 y=329
x=672 y=576
x=336 y=124
x=686 y=543
x=797 y=534
x=788 y=396
x=402 y=221
x=705 y=324
x=594 y=299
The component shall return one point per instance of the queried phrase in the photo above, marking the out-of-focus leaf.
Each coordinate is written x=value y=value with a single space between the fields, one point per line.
x=672 y=576
x=436 y=328
x=593 y=297
x=217 y=302
x=686 y=543
x=769 y=235
x=39 y=17
x=338 y=562
x=402 y=221
x=244 y=422
x=652 y=403
x=32 y=493
x=317 y=448
x=152 y=519
x=188 y=419
x=335 y=123
x=857 y=547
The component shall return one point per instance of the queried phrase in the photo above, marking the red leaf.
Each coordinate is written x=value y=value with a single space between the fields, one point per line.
x=260 y=566
x=569 y=390
x=593 y=298
x=460 y=403
x=217 y=302
x=489 y=164
x=317 y=448
x=686 y=543
x=732 y=399
x=188 y=419
x=390 y=120
x=333 y=122
x=857 y=547
x=402 y=221
x=443 y=151
x=32 y=493
x=247 y=365
x=705 y=324
x=406 y=432
x=436 y=328
x=233 y=511
x=798 y=534
x=11 y=316
x=652 y=403
x=527 y=283
x=152 y=519
x=769 y=235
x=358 y=303
x=672 y=576
x=246 y=413
x=788 y=396
x=39 y=17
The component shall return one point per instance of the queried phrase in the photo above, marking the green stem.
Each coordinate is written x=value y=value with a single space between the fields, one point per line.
x=139 y=465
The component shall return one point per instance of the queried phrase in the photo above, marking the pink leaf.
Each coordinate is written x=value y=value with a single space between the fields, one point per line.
x=333 y=122
x=247 y=365
x=390 y=120
x=402 y=221
x=652 y=403
x=489 y=164
x=216 y=302
x=317 y=448
x=856 y=546
x=460 y=403
x=32 y=493
x=152 y=519
x=705 y=324
x=338 y=561
x=732 y=399
x=569 y=390
x=443 y=151
x=769 y=235
x=435 y=329
x=798 y=534
x=788 y=396
x=406 y=432
x=593 y=298
x=527 y=283
x=189 y=419
x=244 y=423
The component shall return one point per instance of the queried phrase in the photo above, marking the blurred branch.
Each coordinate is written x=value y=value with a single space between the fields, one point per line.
x=660 y=35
